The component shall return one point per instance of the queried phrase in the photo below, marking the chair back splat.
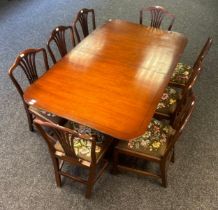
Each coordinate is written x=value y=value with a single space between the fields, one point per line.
x=82 y=19
x=157 y=13
x=66 y=137
x=58 y=36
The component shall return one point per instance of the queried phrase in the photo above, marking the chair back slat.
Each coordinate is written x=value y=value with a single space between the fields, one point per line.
x=82 y=19
x=157 y=14
x=27 y=63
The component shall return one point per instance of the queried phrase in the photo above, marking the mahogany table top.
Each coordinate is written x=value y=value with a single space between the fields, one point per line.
x=113 y=80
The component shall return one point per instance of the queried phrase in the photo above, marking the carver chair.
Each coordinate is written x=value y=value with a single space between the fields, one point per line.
x=78 y=149
x=156 y=145
x=58 y=37
x=82 y=21
x=183 y=72
x=157 y=14
x=26 y=63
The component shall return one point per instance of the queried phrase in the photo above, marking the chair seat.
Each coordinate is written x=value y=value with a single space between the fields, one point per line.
x=181 y=74
x=168 y=102
x=82 y=147
x=153 y=142
x=47 y=116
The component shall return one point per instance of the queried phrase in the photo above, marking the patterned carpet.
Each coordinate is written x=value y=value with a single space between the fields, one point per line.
x=27 y=179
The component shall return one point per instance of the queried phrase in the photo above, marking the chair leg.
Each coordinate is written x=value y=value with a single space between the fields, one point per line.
x=173 y=156
x=115 y=162
x=163 y=174
x=30 y=120
x=91 y=181
x=56 y=170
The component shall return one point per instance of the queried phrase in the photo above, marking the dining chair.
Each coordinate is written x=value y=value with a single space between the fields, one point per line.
x=26 y=63
x=82 y=21
x=67 y=146
x=157 y=14
x=156 y=145
x=58 y=36
x=183 y=71
x=173 y=97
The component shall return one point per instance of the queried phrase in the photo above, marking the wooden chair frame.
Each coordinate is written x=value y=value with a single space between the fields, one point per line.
x=82 y=18
x=157 y=15
x=26 y=60
x=64 y=135
x=58 y=37
x=185 y=92
x=204 y=52
x=178 y=124
x=199 y=61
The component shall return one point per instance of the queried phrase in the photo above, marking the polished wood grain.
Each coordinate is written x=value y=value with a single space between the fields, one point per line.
x=113 y=80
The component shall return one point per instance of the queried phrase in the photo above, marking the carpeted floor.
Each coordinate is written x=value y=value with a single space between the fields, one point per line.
x=26 y=173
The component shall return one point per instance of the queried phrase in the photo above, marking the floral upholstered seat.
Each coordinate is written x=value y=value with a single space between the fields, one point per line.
x=168 y=102
x=81 y=146
x=153 y=141
x=82 y=149
x=181 y=74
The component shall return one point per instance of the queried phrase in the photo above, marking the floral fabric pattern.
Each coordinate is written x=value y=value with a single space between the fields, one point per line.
x=82 y=129
x=181 y=74
x=154 y=140
x=81 y=147
x=168 y=101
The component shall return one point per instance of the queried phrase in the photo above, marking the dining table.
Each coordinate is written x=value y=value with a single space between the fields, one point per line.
x=112 y=80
